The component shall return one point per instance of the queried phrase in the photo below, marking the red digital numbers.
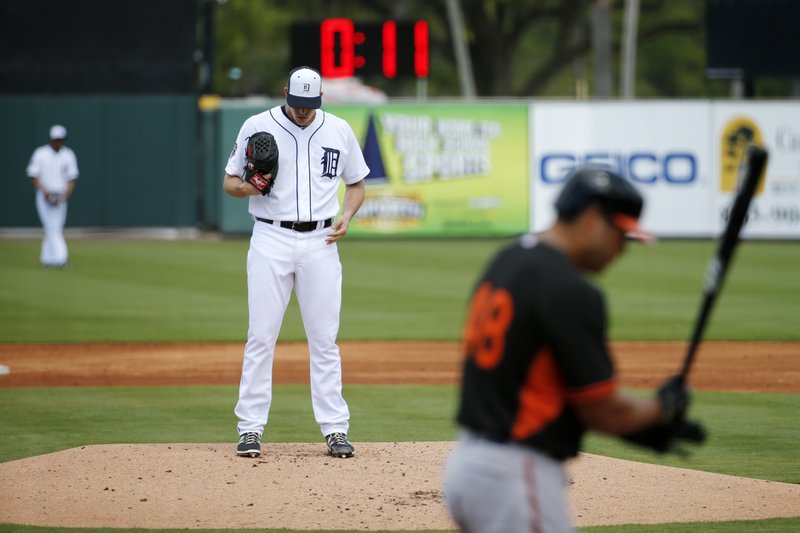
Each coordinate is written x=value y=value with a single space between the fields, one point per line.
x=389 y=39
x=332 y=66
x=390 y=48
x=421 y=49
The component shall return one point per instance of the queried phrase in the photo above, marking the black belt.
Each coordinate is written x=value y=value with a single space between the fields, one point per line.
x=490 y=438
x=299 y=226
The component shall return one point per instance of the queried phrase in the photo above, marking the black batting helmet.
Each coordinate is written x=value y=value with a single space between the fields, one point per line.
x=604 y=188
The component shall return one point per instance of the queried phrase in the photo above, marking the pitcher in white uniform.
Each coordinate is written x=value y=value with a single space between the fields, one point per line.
x=53 y=169
x=293 y=246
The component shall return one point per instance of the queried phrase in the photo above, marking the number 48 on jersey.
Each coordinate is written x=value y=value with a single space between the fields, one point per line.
x=490 y=315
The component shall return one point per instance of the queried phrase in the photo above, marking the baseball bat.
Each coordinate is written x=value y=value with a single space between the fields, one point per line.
x=750 y=172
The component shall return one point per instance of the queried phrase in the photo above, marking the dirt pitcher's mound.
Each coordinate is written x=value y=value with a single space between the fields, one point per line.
x=297 y=486
x=607 y=491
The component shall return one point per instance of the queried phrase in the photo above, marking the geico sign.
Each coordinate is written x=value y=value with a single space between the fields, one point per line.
x=641 y=167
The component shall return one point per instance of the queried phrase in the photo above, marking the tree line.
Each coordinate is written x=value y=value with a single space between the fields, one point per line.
x=517 y=48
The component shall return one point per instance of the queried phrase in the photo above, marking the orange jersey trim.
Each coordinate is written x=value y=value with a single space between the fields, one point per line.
x=542 y=397
x=593 y=393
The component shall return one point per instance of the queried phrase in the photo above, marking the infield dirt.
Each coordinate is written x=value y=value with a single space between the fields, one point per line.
x=724 y=366
x=387 y=485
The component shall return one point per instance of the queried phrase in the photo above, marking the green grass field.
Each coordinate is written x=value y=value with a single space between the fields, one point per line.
x=175 y=291
x=406 y=289
x=36 y=421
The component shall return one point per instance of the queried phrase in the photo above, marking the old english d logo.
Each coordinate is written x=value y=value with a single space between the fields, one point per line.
x=330 y=163
x=737 y=134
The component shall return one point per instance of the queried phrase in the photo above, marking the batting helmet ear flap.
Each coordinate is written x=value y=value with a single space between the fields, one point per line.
x=619 y=201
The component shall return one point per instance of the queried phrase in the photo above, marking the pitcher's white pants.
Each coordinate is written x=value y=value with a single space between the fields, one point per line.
x=53 y=217
x=280 y=259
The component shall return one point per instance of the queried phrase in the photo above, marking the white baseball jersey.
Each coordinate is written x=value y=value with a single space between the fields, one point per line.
x=54 y=169
x=311 y=162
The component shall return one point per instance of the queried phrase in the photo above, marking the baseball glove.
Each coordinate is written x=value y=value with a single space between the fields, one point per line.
x=261 y=158
x=53 y=198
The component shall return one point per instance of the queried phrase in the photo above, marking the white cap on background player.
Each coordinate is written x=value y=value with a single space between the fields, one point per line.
x=58 y=132
x=305 y=88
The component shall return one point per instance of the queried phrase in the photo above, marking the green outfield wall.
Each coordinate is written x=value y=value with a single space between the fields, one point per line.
x=439 y=168
x=138 y=158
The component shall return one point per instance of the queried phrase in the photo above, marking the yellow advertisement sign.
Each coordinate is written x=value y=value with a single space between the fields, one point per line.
x=738 y=133
x=442 y=169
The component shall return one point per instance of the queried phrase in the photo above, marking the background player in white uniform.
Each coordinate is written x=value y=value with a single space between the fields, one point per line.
x=294 y=246
x=53 y=169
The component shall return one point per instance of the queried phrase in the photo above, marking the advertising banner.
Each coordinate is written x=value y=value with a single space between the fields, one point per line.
x=442 y=169
x=683 y=156
x=661 y=147
x=775 y=209
x=494 y=169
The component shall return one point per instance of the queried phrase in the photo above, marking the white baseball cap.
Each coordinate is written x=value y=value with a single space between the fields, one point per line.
x=58 y=132
x=305 y=88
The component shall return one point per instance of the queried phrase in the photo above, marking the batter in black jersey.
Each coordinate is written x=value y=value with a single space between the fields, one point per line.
x=537 y=369
x=518 y=386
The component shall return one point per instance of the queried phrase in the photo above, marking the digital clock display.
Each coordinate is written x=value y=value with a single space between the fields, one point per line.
x=342 y=47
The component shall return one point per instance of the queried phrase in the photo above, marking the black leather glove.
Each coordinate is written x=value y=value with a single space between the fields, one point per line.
x=53 y=198
x=674 y=398
x=664 y=437
x=261 y=160
x=667 y=438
